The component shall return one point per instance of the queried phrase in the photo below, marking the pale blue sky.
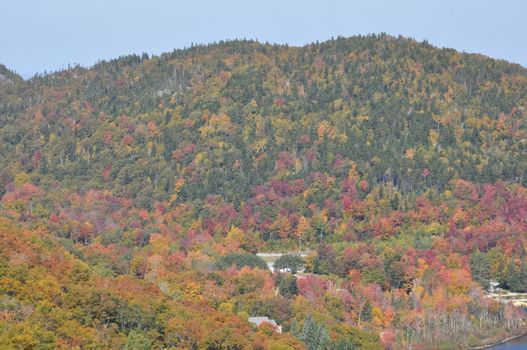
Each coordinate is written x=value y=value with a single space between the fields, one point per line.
x=38 y=35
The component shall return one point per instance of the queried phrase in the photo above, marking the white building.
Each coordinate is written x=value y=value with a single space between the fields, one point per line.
x=493 y=285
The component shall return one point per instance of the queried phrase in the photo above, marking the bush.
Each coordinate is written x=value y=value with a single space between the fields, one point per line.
x=240 y=260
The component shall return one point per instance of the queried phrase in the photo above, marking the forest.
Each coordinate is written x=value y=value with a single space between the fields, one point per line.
x=135 y=195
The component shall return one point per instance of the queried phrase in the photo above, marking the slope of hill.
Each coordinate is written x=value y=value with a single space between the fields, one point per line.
x=399 y=165
x=52 y=300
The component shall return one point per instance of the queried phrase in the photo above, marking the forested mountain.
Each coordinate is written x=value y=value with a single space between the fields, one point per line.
x=399 y=166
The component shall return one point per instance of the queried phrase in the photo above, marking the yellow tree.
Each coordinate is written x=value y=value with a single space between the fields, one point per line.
x=303 y=229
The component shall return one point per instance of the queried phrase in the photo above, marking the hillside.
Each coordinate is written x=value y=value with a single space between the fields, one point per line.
x=400 y=166
x=51 y=300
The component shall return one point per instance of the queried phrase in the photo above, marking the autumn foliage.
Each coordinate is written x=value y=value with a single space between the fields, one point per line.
x=135 y=194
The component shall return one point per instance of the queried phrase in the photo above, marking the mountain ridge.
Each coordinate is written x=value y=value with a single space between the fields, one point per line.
x=285 y=45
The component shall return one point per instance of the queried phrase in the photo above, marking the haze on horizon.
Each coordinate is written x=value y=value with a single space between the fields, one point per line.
x=46 y=36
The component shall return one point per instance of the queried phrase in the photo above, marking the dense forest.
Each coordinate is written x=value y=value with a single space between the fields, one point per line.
x=136 y=193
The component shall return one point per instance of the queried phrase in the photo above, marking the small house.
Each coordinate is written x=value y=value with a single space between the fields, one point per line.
x=493 y=286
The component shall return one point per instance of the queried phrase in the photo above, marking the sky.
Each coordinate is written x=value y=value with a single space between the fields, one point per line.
x=47 y=35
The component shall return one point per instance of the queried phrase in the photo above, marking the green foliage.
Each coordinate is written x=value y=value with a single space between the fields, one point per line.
x=363 y=339
x=387 y=158
x=516 y=279
x=240 y=260
x=291 y=263
x=374 y=275
x=286 y=284
x=481 y=269
x=137 y=125
x=138 y=341
x=314 y=335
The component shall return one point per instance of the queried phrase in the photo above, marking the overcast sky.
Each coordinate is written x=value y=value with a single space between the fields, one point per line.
x=39 y=35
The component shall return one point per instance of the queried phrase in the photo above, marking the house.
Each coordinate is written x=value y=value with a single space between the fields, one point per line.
x=258 y=320
x=493 y=286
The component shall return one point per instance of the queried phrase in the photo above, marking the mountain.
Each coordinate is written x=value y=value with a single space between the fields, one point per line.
x=399 y=166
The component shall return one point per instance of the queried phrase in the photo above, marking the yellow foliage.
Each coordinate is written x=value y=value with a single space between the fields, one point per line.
x=410 y=153
x=226 y=307
x=21 y=179
x=259 y=145
x=433 y=137
x=433 y=229
x=235 y=234
x=180 y=182
x=159 y=243
x=220 y=123
x=199 y=157
x=377 y=316
x=192 y=291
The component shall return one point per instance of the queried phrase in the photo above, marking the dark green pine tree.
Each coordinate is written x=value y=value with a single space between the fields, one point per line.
x=522 y=277
x=314 y=335
x=343 y=344
x=293 y=329
x=286 y=284
x=517 y=278
x=309 y=334
x=480 y=268
x=324 y=341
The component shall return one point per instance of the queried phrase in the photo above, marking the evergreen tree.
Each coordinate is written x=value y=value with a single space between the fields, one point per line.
x=294 y=328
x=286 y=284
x=343 y=344
x=309 y=334
x=480 y=268
x=314 y=335
x=517 y=278
x=324 y=341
